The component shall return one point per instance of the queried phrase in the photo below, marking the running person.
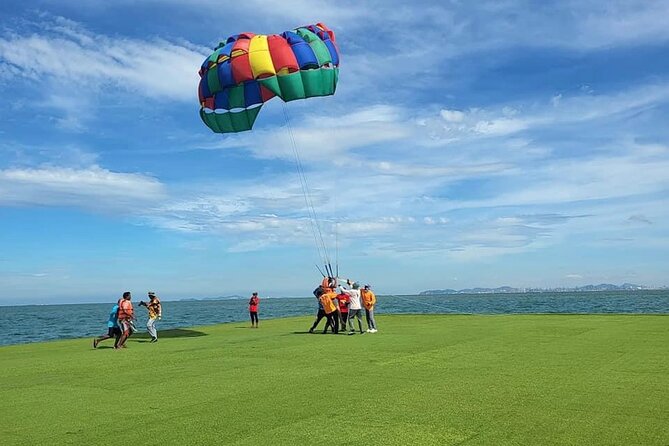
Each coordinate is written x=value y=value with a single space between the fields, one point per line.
x=125 y=316
x=113 y=330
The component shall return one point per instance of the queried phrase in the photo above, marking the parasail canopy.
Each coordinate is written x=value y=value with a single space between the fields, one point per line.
x=249 y=69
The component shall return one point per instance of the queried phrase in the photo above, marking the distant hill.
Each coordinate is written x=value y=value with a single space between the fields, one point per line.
x=508 y=289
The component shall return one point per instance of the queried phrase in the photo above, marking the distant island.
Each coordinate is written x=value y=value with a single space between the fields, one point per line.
x=508 y=289
x=229 y=297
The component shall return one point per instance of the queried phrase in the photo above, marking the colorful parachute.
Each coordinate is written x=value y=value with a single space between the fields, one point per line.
x=249 y=69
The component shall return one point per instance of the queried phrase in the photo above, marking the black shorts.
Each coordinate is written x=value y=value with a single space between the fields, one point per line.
x=113 y=332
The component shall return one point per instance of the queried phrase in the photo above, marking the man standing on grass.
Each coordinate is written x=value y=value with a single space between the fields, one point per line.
x=155 y=314
x=355 y=307
x=125 y=316
x=343 y=301
x=369 y=300
x=113 y=330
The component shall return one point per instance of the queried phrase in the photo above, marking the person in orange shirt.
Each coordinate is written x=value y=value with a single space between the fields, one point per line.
x=369 y=300
x=126 y=314
x=330 y=309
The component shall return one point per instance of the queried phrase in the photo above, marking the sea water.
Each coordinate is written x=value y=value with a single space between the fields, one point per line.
x=34 y=323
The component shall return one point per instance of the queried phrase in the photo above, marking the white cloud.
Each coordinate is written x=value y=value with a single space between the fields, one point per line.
x=90 y=188
x=500 y=126
x=67 y=54
x=452 y=115
x=597 y=178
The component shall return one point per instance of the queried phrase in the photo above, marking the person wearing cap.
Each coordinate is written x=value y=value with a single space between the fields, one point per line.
x=355 y=306
x=253 y=309
x=155 y=314
x=369 y=300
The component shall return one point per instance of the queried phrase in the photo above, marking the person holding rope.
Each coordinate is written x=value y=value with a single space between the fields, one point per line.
x=343 y=302
x=355 y=307
x=318 y=292
x=330 y=308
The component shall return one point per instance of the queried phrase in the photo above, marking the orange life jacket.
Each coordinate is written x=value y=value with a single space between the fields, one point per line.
x=329 y=284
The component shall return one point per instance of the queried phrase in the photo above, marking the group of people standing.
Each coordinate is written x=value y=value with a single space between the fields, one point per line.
x=349 y=306
x=120 y=324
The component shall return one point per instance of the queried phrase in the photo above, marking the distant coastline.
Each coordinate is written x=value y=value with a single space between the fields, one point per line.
x=228 y=297
x=508 y=289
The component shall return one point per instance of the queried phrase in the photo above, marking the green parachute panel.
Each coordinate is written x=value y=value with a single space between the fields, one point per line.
x=229 y=122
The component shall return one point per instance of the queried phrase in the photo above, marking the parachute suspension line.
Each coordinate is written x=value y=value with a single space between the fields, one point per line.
x=336 y=249
x=315 y=227
x=335 y=201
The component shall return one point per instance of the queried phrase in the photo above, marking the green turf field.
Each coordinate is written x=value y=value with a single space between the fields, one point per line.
x=421 y=380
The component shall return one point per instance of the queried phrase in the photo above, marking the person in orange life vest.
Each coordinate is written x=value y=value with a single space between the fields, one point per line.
x=369 y=300
x=126 y=314
x=343 y=300
x=330 y=309
x=329 y=283
x=253 y=309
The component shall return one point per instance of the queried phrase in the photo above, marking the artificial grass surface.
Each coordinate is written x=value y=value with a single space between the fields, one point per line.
x=421 y=380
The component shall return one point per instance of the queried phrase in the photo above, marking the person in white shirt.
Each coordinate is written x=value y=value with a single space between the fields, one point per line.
x=355 y=307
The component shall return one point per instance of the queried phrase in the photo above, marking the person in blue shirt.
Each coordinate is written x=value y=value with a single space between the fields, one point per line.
x=113 y=329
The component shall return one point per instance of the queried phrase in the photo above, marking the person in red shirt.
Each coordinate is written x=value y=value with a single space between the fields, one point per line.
x=126 y=314
x=343 y=301
x=253 y=309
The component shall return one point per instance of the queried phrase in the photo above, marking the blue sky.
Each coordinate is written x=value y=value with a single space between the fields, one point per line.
x=487 y=143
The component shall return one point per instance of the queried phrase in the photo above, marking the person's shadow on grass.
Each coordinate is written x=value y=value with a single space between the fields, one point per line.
x=167 y=334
